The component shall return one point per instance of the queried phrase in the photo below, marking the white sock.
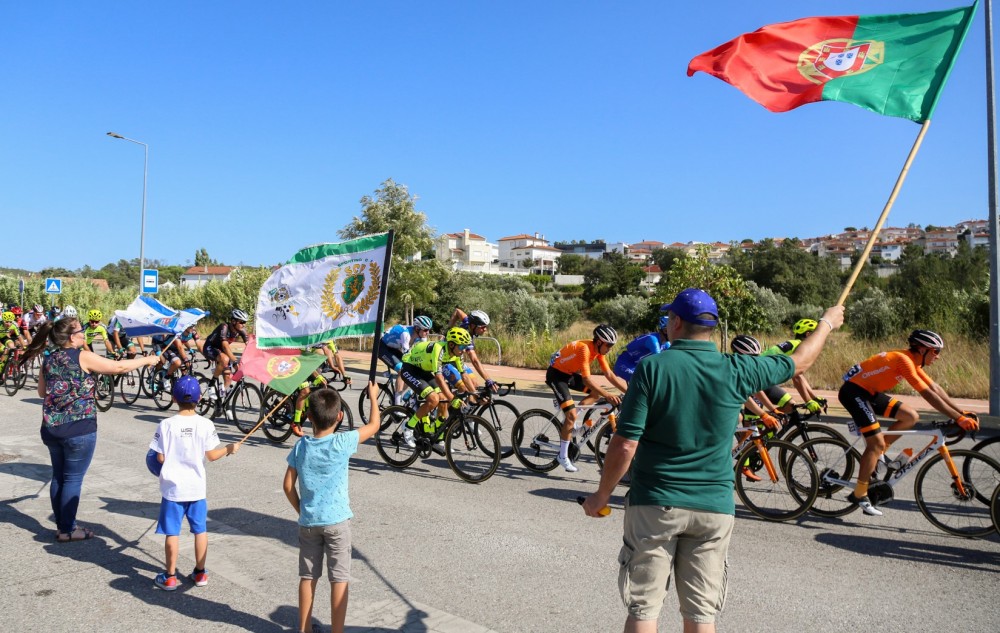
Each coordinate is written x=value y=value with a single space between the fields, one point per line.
x=563 y=449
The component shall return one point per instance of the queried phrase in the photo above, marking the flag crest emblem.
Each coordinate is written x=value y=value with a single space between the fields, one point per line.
x=282 y=367
x=840 y=57
x=357 y=293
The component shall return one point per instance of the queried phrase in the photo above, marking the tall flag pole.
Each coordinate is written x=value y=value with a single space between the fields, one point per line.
x=894 y=65
x=380 y=317
x=991 y=152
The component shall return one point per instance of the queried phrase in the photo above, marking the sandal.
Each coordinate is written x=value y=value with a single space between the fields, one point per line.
x=79 y=534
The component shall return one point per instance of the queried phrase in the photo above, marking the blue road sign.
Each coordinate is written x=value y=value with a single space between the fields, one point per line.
x=20 y=286
x=150 y=280
x=53 y=286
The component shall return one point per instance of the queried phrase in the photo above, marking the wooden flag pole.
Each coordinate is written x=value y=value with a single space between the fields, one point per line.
x=380 y=314
x=885 y=213
x=264 y=419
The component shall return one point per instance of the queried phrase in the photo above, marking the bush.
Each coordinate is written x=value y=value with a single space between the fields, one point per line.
x=626 y=313
x=875 y=315
x=776 y=307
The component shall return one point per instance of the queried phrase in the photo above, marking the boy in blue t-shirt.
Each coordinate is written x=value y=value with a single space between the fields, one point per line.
x=319 y=465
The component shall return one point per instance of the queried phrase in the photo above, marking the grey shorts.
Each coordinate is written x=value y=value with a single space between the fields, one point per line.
x=332 y=540
x=690 y=545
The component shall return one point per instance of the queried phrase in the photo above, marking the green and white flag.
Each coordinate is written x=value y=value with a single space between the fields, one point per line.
x=323 y=292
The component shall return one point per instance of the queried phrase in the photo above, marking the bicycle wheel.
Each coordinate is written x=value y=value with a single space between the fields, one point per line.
x=474 y=451
x=209 y=397
x=146 y=376
x=22 y=374
x=245 y=406
x=160 y=386
x=989 y=447
x=104 y=392
x=278 y=426
x=601 y=442
x=501 y=415
x=995 y=509
x=535 y=437
x=800 y=435
x=365 y=407
x=347 y=422
x=786 y=495
x=835 y=460
x=130 y=386
x=389 y=440
x=335 y=379
x=959 y=512
x=11 y=378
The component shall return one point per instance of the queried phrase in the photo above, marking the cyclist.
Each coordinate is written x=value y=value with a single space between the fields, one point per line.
x=54 y=313
x=94 y=329
x=570 y=369
x=333 y=359
x=123 y=342
x=189 y=338
x=641 y=347
x=422 y=372
x=33 y=320
x=863 y=395
x=171 y=352
x=10 y=336
x=397 y=341
x=475 y=323
x=782 y=400
x=758 y=407
x=217 y=346
x=69 y=312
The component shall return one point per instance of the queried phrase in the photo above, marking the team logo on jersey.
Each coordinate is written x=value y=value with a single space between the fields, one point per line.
x=351 y=289
x=840 y=57
x=283 y=366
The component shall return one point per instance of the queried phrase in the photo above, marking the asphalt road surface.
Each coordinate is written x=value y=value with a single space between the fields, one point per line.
x=432 y=553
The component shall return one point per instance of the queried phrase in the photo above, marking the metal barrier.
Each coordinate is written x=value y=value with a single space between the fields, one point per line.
x=499 y=349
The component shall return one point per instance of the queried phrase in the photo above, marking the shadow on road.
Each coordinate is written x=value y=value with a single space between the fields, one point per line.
x=27 y=470
x=973 y=558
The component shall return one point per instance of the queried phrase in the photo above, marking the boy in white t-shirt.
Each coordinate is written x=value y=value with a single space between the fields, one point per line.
x=183 y=443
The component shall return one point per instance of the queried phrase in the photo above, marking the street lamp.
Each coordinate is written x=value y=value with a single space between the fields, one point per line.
x=142 y=229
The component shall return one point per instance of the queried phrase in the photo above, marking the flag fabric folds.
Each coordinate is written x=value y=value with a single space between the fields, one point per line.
x=323 y=292
x=281 y=370
x=146 y=316
x=895 y=65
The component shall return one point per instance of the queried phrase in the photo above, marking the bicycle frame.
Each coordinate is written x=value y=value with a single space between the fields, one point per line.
x=607 y=416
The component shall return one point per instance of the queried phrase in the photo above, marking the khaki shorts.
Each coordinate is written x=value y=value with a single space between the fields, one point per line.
x=332 y=540
x=691 y=545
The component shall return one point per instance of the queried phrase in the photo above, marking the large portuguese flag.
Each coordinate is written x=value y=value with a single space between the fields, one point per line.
x=894 y=65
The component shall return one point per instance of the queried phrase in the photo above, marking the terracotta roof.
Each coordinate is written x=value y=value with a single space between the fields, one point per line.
x=209 y=270
x=652 y=269
x=472 y=236
x=540 y=248
x=521 y=237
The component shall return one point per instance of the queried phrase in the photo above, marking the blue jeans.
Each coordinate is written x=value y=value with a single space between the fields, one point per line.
x=70 y=461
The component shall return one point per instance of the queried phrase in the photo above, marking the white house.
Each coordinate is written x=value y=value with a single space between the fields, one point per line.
x=468 y=251
x=516 y=249
x=200 y=275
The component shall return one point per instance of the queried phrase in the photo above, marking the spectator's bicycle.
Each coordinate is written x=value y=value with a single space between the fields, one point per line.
x=775 y=479
x=953 y=488
x=242 y=404
x=14 y=376
x=535 y=435
x=278 y=427
x=471 y=444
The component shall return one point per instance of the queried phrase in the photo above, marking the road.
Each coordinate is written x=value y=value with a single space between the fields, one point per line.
x=515 y=554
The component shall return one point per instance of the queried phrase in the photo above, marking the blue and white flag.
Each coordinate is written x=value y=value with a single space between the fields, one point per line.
x=146 y=316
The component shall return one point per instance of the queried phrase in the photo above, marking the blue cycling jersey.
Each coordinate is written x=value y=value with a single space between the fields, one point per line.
x=401 y=337
x=636 y=350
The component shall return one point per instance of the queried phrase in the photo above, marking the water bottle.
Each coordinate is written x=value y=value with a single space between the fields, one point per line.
x=902 y=459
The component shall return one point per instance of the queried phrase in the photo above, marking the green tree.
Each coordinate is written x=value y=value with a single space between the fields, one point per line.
x=571 y=264
x=392 y=207
x=665 y=257
x=609 y=277
x=800 y=276
x=201 y=258
x=737 y=305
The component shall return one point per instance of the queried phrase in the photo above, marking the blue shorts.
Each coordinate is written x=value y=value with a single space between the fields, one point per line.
x=624 y=371
x=173 y=512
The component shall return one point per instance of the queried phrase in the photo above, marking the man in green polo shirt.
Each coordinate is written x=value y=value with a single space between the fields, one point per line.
x=677 y=420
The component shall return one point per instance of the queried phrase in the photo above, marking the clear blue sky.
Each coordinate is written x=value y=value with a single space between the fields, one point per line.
x=268 y=121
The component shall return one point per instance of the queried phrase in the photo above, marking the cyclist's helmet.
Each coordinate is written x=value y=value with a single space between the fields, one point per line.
x=478 y=317
x=661 y=323
x=239 y=315
x=745 y=344
x=95 y=315
x=925 y=338
x=16 y=310
x=423 y=323
x=38 y=308
x=605 y=334
x=459 y=337
x=69 y=312
x=8 y=317
x=56 y=310
x=804 y=325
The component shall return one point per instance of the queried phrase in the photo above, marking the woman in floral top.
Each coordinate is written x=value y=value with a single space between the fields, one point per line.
x=69 y=416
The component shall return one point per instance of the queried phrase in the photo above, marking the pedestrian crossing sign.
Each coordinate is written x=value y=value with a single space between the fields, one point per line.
x=53 y=286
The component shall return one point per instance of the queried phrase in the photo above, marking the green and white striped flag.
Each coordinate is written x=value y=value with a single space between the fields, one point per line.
x=323 y=292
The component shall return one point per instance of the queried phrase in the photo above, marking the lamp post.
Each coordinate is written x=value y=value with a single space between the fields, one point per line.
x=142 y=229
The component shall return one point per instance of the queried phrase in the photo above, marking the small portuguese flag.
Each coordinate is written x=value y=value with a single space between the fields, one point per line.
x=894 y=65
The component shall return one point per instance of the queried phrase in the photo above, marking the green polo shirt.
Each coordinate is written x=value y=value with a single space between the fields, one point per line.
x=682 y=406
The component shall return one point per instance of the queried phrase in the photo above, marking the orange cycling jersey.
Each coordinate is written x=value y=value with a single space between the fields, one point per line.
x=576 y=357
x=884 y=371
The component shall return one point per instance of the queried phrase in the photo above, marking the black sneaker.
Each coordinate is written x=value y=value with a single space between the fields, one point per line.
x=865 y=504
